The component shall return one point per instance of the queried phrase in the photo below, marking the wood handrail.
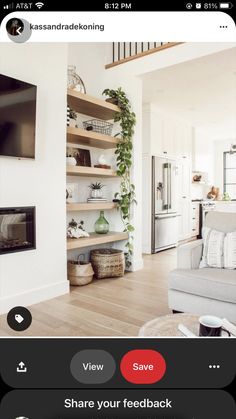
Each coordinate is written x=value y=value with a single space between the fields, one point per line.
x=143 y=54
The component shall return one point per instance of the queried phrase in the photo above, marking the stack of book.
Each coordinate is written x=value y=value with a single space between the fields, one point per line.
x=90 y=200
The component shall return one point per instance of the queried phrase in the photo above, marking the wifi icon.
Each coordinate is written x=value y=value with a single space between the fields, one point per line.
x=39 y=5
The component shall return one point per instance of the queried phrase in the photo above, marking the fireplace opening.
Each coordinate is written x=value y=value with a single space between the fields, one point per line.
x=17 y=229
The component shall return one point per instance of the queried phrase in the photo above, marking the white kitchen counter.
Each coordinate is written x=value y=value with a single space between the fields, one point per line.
x=225 y=206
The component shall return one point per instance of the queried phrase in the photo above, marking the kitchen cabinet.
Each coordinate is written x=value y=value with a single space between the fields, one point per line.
x=184 y=219
x=184 y=201
x=195 y=218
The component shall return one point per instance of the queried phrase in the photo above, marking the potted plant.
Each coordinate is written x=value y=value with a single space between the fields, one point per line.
x=96 y=189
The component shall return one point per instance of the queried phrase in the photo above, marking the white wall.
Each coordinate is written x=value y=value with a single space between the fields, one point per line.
x=32 y=276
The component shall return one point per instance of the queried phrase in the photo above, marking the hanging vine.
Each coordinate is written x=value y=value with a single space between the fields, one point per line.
x=126 y=196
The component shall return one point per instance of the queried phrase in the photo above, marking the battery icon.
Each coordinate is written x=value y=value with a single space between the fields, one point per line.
x=226 y=5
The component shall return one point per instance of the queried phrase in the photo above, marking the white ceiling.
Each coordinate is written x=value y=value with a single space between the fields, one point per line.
x=202 y=91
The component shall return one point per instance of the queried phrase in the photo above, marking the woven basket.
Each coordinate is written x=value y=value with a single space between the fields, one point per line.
x=79 y=273
x=107 y=263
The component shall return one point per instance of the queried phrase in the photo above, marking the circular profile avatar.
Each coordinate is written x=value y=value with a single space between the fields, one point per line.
x=21 y=417
x=15 y=27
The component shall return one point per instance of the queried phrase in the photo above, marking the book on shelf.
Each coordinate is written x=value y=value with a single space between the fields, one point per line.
x=96 y=200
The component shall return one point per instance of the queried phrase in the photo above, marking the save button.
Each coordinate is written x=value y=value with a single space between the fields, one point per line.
x=143 y=366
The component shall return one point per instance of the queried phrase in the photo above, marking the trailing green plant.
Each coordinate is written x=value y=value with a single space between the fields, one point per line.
x=96 y=185
x=126 y=196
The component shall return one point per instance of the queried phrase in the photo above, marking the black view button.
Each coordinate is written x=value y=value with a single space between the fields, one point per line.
x=92 y=366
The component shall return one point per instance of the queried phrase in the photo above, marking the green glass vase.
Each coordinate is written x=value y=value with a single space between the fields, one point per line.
x=101 y=225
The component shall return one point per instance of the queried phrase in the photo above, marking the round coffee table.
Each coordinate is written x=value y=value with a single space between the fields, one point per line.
x=168 y=325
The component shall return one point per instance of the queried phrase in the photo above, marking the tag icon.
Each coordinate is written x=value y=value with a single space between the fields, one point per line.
x=19 y=319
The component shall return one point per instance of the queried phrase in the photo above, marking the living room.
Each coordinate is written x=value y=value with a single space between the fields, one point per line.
x=189 y=119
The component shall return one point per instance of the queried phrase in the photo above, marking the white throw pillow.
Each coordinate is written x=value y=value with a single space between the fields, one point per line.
x=230 y=251
x=213 y=248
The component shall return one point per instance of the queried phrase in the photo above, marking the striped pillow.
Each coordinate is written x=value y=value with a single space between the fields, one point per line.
x=230 y=251
x=213 y=248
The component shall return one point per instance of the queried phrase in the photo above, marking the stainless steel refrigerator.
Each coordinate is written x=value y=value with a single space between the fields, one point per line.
x=164 y=204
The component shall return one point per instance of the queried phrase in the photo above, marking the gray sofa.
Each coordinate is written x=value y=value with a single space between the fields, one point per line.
x=205 y=290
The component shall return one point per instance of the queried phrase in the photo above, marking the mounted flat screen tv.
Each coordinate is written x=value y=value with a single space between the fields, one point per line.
x=17 y=118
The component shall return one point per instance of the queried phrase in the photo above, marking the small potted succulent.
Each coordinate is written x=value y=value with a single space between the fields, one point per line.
x=96 y=189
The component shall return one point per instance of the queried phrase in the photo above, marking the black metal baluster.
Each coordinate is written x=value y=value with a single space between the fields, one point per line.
x=118 y=51
x=136 y=48
x=124 y=50
x=113 y=51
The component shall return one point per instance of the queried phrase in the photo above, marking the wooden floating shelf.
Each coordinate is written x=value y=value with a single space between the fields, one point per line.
x=87 y=206
x=90 y=138
x=95 y=239
x=89 y=105
x=90 y=171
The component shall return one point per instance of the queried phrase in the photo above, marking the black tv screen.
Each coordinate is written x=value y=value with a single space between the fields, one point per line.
x=17 y=118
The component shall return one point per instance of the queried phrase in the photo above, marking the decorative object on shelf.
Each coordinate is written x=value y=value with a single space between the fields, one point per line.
x=76 y=230
x=126 y=196
x=71 y=116
x=102 y=166
x=213 y=193
x=97 y=125
x=96 y=200
x=70 y=160
x=79 y=271
x=102 y=163
x=226 y=197
x=101 y=226
x=70 y=192
x=107 y=263
x=74 y=81
x=197 y=178
x=96 y=189
x=81 y=156
x=102 y=159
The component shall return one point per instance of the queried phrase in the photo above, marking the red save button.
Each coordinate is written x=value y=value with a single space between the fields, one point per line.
x=143 y=366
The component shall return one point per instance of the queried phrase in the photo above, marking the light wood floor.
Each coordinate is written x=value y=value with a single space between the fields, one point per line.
x=108 y=307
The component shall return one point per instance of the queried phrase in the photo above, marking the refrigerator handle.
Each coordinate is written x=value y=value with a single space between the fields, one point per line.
x=169 y=187
x=165 y=187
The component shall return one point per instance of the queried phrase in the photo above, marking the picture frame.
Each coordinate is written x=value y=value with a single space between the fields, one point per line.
x=82 y=156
